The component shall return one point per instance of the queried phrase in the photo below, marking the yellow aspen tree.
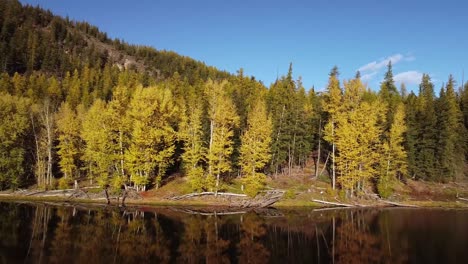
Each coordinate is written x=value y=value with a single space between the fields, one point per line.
x=98 y=151
x=371 y=116
x=255 y=148
x=394 y=156
x=68 y=131
x=357 y=137
x=191 y=133
x=154 y=116
x=223 y=120
x=14 y=125
x=120 y=127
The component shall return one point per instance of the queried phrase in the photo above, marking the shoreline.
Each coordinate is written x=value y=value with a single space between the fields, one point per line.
x=286 y=203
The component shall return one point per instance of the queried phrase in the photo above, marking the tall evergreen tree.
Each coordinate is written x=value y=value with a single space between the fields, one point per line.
x=425 y=158
x=333 y=101
x=411 y=135
x=282 y=108
x=389 y=94
x=450 y=151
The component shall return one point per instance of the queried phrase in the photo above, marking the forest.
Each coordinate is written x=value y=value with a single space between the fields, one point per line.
x=76 y=105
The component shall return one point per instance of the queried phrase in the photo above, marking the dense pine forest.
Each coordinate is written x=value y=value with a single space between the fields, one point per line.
x=77 y=105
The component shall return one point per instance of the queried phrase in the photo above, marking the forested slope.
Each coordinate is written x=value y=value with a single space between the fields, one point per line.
x=76 y=105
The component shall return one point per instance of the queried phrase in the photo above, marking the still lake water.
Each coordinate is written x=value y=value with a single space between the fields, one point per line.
x=39 y=233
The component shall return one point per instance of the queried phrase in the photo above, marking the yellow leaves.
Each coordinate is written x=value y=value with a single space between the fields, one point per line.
x=95 y=132
x=255 y=148
x=355 y=130
x=154 y=115
x=68 y=128
x=394 y=147
x=223 y=120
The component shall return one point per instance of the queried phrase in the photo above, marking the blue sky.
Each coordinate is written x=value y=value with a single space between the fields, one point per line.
x=263 y=37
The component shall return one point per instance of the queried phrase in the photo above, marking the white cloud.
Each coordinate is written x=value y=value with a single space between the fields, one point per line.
x=408 y=77
x=377 y=65
x=409 y=58
x=371 y=69
x=368 y=76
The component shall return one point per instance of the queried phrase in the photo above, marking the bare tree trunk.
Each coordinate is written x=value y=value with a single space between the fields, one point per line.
x=211 y=145
x=217 y=184
x=121 y=152
x=48 y=122
x=276 y=141
x=107 y=195
x=292 y=151
x=333 y=156
x=317 y=165
x=39 y=166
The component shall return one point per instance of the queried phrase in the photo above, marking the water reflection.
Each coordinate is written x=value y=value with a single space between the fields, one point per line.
x=38 y=233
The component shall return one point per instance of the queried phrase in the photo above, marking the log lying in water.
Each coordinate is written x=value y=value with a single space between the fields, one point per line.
x=190 y=195
x=208 y=213
x=333 y=203
x=399 y=204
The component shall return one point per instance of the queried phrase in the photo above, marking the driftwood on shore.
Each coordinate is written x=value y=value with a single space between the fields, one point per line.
x=190 y=195
x=263 y=199
x=218 y=211
x=333 y=203
x=398 y=204
x=82 y=193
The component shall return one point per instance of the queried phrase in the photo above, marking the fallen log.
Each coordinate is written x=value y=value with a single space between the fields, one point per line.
x=333 y=203
x=463 y=199
x=78 y=193
x=399 y=204
x=263 y=199
x=199 y=212
x=185 y=196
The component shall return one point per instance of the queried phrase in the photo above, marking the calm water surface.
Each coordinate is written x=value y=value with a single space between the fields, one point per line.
x=38 y=233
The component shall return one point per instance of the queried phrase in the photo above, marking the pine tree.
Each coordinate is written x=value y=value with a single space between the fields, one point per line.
x=282 y=109
x=464 y=109
x=389 y=94
x=411 y=135
x=333 y=99
x=255 y=148
x=450 y=151
x=426 y=166
x=14 y=124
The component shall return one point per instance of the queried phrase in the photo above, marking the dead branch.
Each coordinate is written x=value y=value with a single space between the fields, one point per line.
x=333 y=203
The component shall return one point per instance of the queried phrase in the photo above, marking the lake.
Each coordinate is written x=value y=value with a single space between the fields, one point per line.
x=44 y=233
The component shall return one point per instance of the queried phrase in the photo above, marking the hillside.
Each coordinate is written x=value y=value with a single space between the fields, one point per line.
x=33 y=39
